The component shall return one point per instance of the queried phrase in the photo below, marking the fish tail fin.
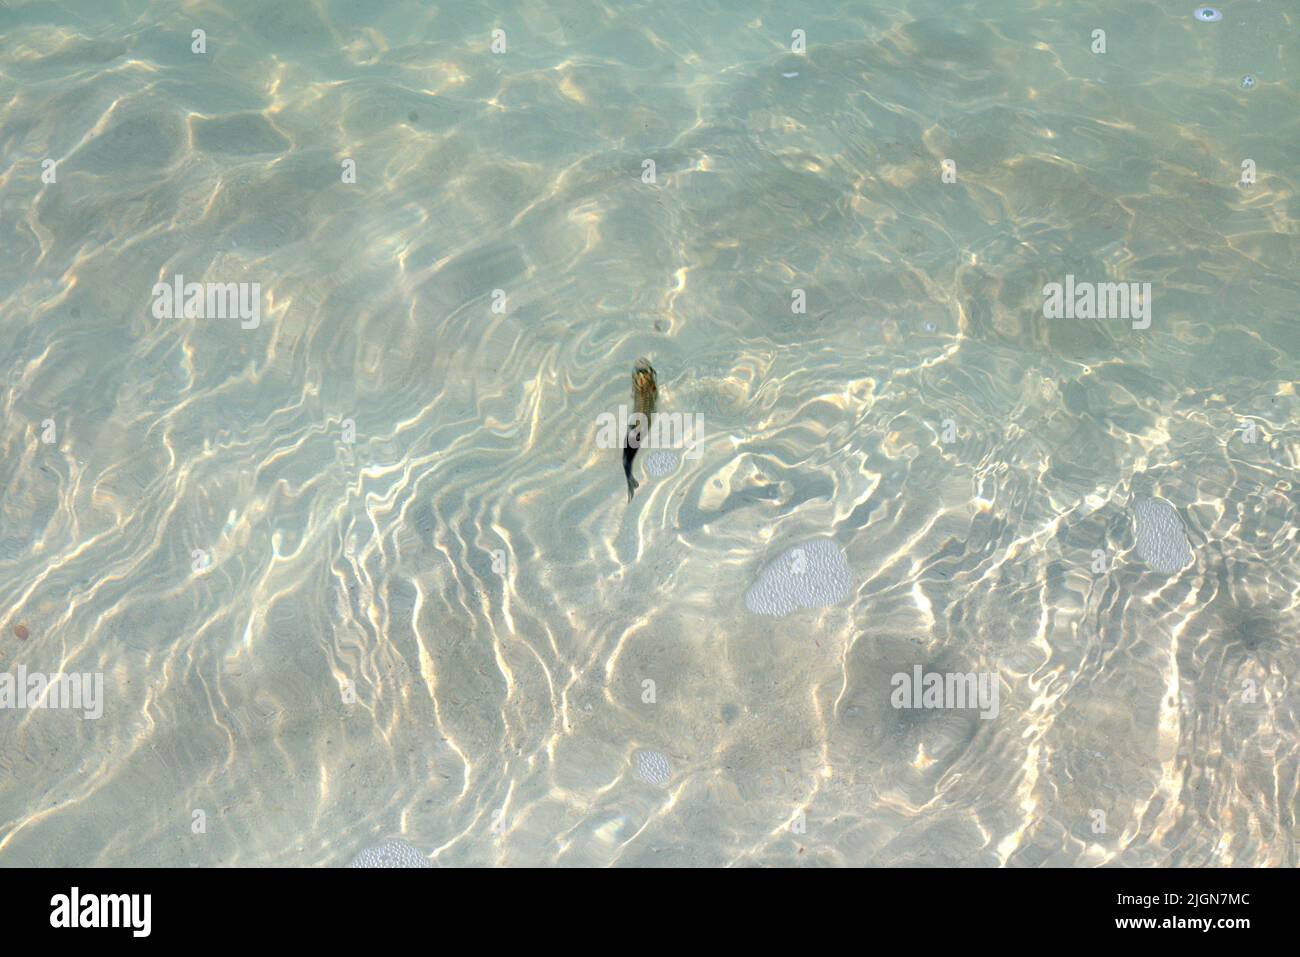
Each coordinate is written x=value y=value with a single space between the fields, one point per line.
x=632 y=486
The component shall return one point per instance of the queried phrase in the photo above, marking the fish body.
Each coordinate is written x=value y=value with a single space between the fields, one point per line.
x=645 y=392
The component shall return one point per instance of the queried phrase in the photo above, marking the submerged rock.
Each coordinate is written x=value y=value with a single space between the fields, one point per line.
x=662 y=462
x=391 y=854
x=813 y=574
x=1161 y=536
x=652 y=767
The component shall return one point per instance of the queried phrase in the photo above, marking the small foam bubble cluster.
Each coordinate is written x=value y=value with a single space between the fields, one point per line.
x=652 y=767
x=390 y=854
x=662 y=462
x=1161 y=537
x=813 y=574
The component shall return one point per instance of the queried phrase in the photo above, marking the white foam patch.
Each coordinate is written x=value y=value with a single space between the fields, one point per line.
x=813 y=574
x=390 y=854
x=652 y=767
x=1161 y=537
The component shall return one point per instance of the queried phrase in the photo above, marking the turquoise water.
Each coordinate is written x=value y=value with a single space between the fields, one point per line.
x=354 y=566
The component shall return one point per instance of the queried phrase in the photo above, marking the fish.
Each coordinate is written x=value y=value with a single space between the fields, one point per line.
x=645 y=392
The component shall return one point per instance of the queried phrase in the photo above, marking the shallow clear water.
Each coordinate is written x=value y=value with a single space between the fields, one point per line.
x=361 y=569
